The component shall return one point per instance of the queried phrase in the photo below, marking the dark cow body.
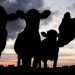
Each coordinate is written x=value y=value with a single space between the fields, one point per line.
x=27 y=44
x=4 y=18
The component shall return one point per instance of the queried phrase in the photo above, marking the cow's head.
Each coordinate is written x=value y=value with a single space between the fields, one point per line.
x=50 y=34
x=33 y=17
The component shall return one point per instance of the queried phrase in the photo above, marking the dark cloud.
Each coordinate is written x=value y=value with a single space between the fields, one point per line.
x=11 y=6
x=71 y=7
x=17 y=26
x=1 y=1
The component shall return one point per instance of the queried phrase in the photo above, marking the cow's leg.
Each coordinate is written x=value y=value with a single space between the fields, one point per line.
x=55 y=65
x=18 y=62
x=35 y=62
x=45 y=64
x=39 y=63
x=29 y=62
x=24 y=62
x=55 y=62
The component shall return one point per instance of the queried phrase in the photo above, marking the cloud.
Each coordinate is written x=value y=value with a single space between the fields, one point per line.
x=9 y=47
x=65 y=54
x=66 y=51
x=17 y=26
x=71 y=45
x=53 y=14
x=71 y=7
x=11 y=6
x=51 y=17
x=1 y=1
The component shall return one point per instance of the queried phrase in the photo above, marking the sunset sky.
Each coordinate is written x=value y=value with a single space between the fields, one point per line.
x=57 y=7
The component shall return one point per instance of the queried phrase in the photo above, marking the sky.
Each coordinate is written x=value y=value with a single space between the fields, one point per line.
x=57 y=7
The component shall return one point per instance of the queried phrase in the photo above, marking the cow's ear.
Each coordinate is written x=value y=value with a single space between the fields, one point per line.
x=21 y=14
x=12 y=17
x=45 y=14
x=43 y=34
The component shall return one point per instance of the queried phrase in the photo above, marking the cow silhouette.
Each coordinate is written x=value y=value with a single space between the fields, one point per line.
x=49 y=48
x=27 y=43
x=50 y=45
x=66 y=30
x=4 y=18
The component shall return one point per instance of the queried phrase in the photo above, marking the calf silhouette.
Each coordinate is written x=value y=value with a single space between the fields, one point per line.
x=28 y=42
x=49 y=48
x=66 y=30
x=4 y=18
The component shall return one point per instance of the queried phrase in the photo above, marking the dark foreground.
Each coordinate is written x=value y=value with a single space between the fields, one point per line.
x=11 y=70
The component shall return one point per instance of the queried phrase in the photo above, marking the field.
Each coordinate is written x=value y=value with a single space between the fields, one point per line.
x=11 y=70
